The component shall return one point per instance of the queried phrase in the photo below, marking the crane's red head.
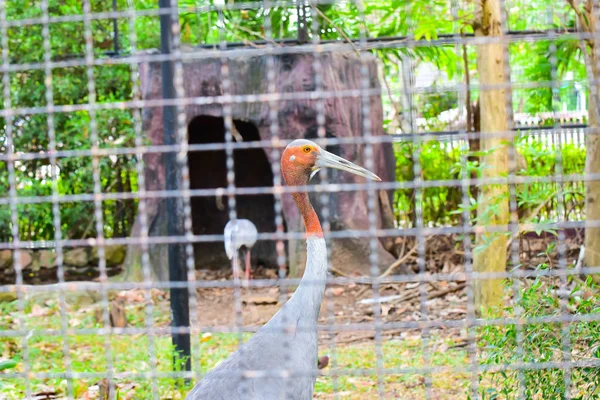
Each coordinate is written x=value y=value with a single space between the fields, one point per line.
x=300 y=161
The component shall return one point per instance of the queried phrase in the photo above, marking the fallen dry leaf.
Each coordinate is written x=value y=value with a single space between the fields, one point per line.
x=336 y=291
x=259 y=299
x=38 y=311
x=385 y=309
x=361 y=383
x=205 y=337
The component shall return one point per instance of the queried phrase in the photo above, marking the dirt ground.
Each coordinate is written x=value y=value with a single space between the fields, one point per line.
x=349 y=303
x=342 y=305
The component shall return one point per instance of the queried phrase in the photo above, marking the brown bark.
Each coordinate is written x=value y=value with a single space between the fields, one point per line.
x=474 y=146
x=586 y=22
x=387 y=222
x=473 y=124
x=592 y=142
x=493 y=212
x=592 y=166
x=592 y=191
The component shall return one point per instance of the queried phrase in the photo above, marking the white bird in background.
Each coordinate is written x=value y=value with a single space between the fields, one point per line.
x=281 y=359
x=240 y=234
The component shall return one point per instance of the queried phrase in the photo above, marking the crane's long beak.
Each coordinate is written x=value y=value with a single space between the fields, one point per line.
x=326 y=159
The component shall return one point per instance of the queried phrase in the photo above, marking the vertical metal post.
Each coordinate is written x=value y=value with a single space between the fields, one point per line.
x=302 y=30
x=180 y=312
x=115 y=30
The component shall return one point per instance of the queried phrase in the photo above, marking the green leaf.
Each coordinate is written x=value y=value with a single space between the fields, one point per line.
x=7 y=364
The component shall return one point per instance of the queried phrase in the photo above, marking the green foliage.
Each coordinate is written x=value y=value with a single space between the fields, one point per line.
x=436 y=164
x=542 y=162
x=72 y=130
x=7 y=364
x=203 y=23
x=546 y=63
x=442 y=204
x=543 y=342
x=200 y=22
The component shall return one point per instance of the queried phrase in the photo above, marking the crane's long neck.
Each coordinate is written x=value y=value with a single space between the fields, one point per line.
x=309 y=293
x=311 y=221
x=312 y=287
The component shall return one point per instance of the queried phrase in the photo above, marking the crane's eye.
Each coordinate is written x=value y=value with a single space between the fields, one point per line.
x=307 y=149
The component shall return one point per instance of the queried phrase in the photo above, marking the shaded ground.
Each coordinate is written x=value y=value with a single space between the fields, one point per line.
x=354 y=303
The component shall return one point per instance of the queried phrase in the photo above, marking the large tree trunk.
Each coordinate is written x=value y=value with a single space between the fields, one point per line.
x=492 y=212
x=592 y=190
x=586 y=22
x=296 y=118
x=586 y=18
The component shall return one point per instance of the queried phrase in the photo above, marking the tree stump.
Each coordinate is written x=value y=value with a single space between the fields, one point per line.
x=295 y=117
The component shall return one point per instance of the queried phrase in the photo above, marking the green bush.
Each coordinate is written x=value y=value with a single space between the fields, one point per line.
x=544 y=342
x=442 y=205
x=72 y=129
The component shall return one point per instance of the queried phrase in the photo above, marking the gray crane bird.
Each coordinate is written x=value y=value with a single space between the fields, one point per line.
x=240 y=234
x=280 y=360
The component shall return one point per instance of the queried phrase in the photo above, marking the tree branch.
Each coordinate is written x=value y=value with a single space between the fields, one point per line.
x=399 y=261
x=580 y=17
x=468 y=91
x=340 y=30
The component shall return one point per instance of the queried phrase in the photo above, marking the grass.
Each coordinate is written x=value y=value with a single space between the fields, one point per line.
x=130 y=354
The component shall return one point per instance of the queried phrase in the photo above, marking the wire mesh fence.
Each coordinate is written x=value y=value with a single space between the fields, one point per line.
x=133 y=131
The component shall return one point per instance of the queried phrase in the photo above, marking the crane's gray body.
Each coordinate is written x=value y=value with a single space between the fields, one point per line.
x=271 y=350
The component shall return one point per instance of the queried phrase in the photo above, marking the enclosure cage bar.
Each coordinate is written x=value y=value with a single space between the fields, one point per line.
x=231 y=189
x=514 y=231
x=513 y=219
x=464 y=98
x=185 y=204
x=233 y=52
x=477 y=322
x=56 y=217
x=559 y=184
x=275 y=131
x=324 y=198
x=97 y=190
x=528 y=130
x=360 y=372
x=458 y=277
x=237 y=99
x=179 y=300
x=370 y=187
x=14 y=216
x=275 y=236
x=142 y=209
x=419 y=237
x=247 y=5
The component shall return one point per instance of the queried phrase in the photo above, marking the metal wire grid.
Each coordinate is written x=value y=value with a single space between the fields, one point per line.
x=181 y=149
